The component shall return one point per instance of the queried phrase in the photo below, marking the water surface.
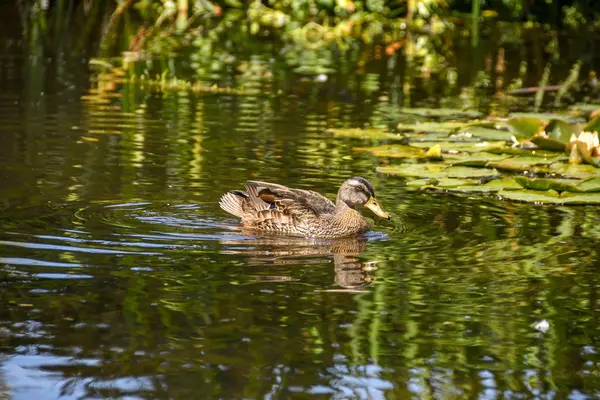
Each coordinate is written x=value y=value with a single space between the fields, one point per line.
x=121 y=276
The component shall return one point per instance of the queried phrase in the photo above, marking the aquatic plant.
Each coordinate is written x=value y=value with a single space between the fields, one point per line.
x=539 y=158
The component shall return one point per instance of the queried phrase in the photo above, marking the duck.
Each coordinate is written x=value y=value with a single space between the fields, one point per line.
x=278 y=209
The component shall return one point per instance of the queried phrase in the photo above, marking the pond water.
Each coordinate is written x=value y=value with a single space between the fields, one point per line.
x=120 y=275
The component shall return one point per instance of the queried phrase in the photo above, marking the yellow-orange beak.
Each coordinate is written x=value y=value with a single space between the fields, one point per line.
x=374 y=206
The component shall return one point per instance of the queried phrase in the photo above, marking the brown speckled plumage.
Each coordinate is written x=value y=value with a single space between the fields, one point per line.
x=276 y=208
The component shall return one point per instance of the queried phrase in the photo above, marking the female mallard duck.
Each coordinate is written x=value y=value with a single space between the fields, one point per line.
x=275 y=208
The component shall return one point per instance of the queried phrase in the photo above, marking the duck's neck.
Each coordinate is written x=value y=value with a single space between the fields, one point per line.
x=347 y=216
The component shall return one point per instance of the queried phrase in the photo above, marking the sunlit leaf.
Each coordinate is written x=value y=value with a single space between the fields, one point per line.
x=521 y=163
x=466 y=185
x=531 y=196
x=558 y=184
x=480 y=159
x=525 y=127
x=580 y=171
x=484 y=133
x=442 y=112
x=434 y=152
x=370 y=133
x=546 y=117
x=430 y=126
x=593 y=125
x=395 y=151
x=550 y=197
x=445 y=183
x=436 y=171
x=470 y=147
x=557 y=135
x=590 y=185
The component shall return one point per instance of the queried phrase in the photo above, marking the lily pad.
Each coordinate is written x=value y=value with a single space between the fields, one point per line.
x=546 y=117
x=470 y=147
x=550 y=197
x=444 y=183
x=525 y=127
x=580 y=171
x=593 y=125
x=532 y=196
x=437 y=171
x=483 y=133
x=466 y=185
x=589 y=185
x=556 y=136
x=442 y=112
x=517 y=151
x=520 y=164
x=395 y=151
x=545 y=184
x=481 y=159
x=371 y=133
x=445 y=127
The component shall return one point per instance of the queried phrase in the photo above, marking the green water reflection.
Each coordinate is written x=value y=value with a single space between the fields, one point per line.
x=120 y=275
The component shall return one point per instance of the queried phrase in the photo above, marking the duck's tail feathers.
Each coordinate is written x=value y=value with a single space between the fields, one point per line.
x=232 y=202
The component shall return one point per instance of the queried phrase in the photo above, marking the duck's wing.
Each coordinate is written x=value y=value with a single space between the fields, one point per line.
x=298 y=201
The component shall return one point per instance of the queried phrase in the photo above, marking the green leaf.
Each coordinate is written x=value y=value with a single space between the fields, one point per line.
x=470 y=147
x=531 y=196
x=442 y=112
x=465 y=185
x=550 y=197
x=443 y=183
x=445 y=127
x=590 y=185
x=546 y=117
x=395 y=151
x=544 y=184
x=481 y=159
x=580 y=171
x=520 y=164
x=437 y=171
x=558 y=134
x=371 y=133
x=593 y=125
x=483 y=133
x=525 y=127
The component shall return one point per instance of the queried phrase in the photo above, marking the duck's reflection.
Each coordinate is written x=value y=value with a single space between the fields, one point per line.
x=351 y=273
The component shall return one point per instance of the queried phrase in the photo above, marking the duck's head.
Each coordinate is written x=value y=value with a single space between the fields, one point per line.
x=357 y=191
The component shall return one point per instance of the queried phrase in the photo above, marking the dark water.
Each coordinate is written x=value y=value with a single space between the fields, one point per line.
x=121 y=277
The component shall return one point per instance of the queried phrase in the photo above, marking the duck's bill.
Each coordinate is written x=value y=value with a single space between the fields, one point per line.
x=374 y=206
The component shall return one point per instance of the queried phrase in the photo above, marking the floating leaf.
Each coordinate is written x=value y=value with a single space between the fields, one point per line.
x=521 y=163
x=590 y=185
x=434 y=152
x=445 y=127
x=394 y=151
x=480 y=159
x=593 y=125
x=545 y=184
x=517 y=151
x=546 y=117
x=525 y=127
x=466 y=185
x=470 y=147
x=556 y=136
x=483 y=133
x=550 y=197
x=436 y=171
x=442 y=112
x=444 y=183
x=371 y=133
x=531 y=196
x=580 y=171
